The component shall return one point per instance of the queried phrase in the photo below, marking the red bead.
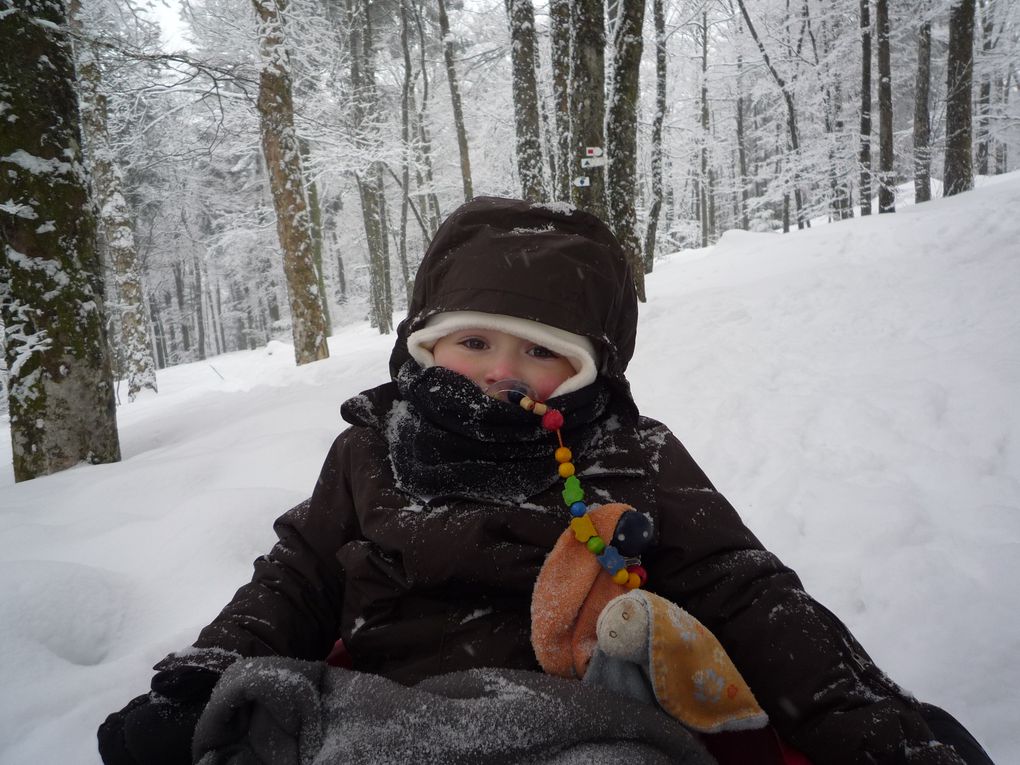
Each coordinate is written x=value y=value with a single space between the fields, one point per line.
x=640 y=571
x=552 y=420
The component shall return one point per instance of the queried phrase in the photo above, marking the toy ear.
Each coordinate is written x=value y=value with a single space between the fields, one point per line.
x=624 y=628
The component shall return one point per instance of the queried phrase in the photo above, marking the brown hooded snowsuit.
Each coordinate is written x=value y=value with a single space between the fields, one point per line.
x=434 y=511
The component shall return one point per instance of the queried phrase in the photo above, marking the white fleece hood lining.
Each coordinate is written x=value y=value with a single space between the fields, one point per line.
x=578 y=350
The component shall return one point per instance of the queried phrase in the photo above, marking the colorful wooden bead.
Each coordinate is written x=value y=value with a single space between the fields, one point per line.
x=540 y=408
x=572 y=491
x=639 y=572
x=622 y=576
x=611 y=560
x=596 y=545
x=583 y=528
x=566 y=469
x=633 y=581
x=527 y=403
x=578 y=509
x=563 y=454
x=552 y=420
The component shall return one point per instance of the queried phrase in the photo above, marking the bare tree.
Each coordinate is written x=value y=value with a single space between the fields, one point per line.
x=116 y=223
x=922 y=118
x=60 y=383
x=791 y=113
x=886 y=187
x=587 y=103
x=621 y=135
x=286 y=179
x=559 y=33
x=458 y=113
x=865 y=159
x=959 y=167
x=659 y=19
x=525 y=93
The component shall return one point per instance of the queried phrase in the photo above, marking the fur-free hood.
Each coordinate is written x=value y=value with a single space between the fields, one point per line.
x=549 y=263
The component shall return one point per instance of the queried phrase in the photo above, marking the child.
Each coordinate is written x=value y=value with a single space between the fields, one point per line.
x=434 y=511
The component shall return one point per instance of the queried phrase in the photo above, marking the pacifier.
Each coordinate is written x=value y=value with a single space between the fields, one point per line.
x=511 y=391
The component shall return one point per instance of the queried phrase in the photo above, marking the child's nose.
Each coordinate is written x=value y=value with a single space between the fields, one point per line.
x=503 y=368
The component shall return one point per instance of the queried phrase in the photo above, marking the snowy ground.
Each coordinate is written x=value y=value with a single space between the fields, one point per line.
x=853 y=389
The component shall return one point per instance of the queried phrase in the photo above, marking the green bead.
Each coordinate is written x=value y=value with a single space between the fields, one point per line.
x=596 y=545
x=572 y=491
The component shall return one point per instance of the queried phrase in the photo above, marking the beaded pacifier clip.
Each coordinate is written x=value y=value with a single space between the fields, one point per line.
x=621 y=558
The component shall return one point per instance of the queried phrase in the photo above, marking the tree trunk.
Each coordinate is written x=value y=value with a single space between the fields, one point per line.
x=922 y=119
x=741 y=146
x=984 y=91
x=659 y=18
x=865 y=160
x=116 y=223
x=370 y=185
x=559 y=31
x=199 y=310
x=587 y=104
x=959 y=169
x=286 y=179
x=60 y=381
x=525 y=93
x=423 y=143
x=315 y=217
x=791 y=120
x=887 y=182
x=621 y=134
x=704 y=186
x=458 y=113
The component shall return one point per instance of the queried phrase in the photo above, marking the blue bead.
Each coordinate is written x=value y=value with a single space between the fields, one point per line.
x=611 y=560
x=578 y=509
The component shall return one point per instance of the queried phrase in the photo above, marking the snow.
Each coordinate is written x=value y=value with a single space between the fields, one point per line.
x=851 y=388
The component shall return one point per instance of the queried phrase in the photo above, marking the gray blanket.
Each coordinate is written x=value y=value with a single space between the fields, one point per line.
x=290 y=712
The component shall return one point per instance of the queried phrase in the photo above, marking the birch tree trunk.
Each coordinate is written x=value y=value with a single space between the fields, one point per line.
x=116 y=223
x=959 y=168
x=922 y=120
x=60 y=382
x=865 y=160
x=525 y=92
x=559 y=32
x=458 y=112
x=286 y=180
x=659 y=19
x=887 y=183
x=587 y=103
x=621 y=135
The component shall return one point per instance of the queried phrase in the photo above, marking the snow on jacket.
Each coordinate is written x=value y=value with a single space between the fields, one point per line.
x=434 y=511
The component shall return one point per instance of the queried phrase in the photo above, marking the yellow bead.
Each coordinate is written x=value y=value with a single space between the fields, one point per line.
x=633 y=581
x=540 y=409
x=622 y=576
x=527 y=403
x=563 y=454
x=583 y=528
x=566 y=469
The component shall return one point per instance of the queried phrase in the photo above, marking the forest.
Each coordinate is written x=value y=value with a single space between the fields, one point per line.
x=278 y=171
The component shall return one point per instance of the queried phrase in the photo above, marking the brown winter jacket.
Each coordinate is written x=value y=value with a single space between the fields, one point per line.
x=419 y=581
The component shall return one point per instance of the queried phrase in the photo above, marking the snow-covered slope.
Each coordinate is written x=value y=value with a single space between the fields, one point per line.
x=854 y=389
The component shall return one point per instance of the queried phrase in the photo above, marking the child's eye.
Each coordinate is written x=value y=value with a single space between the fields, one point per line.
x=473 y=343
x=541 y=352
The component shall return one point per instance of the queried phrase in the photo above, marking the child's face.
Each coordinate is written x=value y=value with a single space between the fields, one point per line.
x=486 y=356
